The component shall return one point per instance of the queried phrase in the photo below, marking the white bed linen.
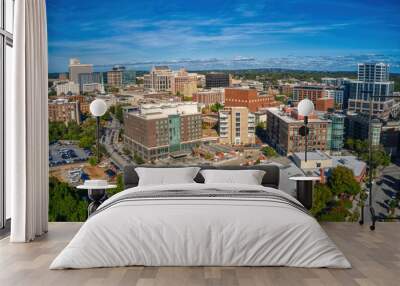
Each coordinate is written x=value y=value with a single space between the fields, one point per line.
x=219 y=232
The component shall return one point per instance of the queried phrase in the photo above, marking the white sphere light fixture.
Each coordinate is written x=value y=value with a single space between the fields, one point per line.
x=305 y=107
x=98 y=107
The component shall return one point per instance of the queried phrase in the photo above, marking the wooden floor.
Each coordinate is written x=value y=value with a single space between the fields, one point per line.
x=375 y=257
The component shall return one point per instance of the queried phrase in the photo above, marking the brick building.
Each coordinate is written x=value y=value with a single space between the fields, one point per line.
x=283 y=131
x=161 y=129
x=62 y=110
x=308 y=91
x=324 y=103
x=243 y=97
x=209 y=97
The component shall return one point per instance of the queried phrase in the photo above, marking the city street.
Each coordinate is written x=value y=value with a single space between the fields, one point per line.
x=386 y=188
x=110 y=142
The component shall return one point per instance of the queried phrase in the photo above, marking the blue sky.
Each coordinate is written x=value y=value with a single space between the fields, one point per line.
x=209 y=34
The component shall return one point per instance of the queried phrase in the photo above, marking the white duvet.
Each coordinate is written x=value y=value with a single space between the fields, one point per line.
x=202 y=232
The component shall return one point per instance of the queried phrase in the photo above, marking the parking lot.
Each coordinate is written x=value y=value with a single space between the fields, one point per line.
x=62 y=153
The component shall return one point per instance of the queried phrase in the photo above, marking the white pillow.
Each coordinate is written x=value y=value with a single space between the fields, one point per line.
x=248 y=177
x=166 y=176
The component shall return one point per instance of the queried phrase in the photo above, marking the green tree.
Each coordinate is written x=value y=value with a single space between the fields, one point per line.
x=120 y=186
x=119 y=114
x=86 y=142
x=269 y=151
x=321 y=196
x=52 y=92
x=379 y=158
x=126 y=151
x=342 y=181
x=65 y=202
x=139 y=160
x=106 y=116
x=216 y=107
x=93 y=161
x=349 y=144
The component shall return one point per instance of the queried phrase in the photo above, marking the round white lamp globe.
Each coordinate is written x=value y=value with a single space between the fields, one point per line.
x=305 y=107
x=98 y=107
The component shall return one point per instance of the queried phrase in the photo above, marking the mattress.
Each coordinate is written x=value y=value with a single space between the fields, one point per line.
x=201 y=225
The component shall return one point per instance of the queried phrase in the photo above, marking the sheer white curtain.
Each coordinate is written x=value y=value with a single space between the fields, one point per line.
x=27 y=127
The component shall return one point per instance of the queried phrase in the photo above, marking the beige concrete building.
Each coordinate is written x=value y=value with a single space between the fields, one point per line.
x=184 y=83
x=315 y=160
x=236 y=126
x=159 y=79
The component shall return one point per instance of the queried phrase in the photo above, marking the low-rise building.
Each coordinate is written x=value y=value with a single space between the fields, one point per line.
x=236 y=126
x=312 y=92
x=67 y=87
x=321 y=164
x=315 y=160
x=160 y=130
x=210 y=97
x=324 y=104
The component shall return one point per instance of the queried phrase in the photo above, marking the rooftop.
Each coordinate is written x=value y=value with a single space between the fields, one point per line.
x=285 y=116
x=313 y=155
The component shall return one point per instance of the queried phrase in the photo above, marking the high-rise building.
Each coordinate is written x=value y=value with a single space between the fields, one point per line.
x=373 y=80
x=76 y=68
x=236 y=126
x=61 y=110
x=219 y=79
x=283 y=131
x=250 y=98
x=184 y=83
x=159 y=79
x=161 y=129
x=373 y=72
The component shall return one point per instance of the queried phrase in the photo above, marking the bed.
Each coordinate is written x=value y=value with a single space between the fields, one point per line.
x=201 y=224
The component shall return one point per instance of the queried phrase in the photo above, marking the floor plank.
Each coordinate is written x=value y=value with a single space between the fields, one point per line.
x=375 y=257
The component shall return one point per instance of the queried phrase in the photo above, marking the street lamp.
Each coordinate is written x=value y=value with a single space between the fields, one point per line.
x=305 y=108
x=98 y=108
